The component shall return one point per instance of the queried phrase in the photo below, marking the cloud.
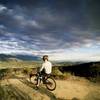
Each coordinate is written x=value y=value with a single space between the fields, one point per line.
x=2 y=8
x=49 y=27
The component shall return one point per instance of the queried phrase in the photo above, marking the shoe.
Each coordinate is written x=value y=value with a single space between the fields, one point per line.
x=37 y=87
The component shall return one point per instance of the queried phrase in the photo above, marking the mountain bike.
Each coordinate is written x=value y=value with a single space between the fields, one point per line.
x=47 y=80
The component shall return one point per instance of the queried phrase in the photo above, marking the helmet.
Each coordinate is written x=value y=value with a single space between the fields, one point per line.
x=45 y=57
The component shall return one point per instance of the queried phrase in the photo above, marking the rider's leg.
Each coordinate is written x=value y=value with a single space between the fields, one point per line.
x=45 y=77
x=38 y=82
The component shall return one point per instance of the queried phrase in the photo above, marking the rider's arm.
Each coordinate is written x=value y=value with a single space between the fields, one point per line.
x=42 y=67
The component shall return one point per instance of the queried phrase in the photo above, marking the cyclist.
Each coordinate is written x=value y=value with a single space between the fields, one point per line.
x=46 y=68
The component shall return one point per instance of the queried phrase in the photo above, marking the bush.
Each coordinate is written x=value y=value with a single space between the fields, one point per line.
x=26 y=70
x=59 y=75
x=56 y=71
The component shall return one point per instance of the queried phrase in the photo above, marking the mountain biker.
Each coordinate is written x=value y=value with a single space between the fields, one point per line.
x=46 y=68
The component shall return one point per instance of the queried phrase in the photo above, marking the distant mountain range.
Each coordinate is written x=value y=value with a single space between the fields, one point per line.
x=4 y=57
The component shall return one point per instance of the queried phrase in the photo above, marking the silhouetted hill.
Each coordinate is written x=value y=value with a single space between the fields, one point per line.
x=4 y=57
x=85 y=69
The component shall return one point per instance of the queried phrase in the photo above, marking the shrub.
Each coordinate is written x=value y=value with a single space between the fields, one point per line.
x=56 y=71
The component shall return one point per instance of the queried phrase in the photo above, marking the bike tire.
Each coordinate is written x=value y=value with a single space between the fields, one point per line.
x=33 y=79
x=50 y=83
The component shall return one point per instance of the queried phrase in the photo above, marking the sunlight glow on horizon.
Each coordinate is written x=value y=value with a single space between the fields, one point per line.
x=70 y=54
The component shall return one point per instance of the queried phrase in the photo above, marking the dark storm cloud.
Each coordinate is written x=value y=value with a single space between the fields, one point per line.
x=94 y=15
x=49 y=24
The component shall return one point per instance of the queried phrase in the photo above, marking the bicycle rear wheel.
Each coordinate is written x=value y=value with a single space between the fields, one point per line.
x=50 y=84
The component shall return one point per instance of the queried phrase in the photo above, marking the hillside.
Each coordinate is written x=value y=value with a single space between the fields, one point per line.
x=4 y=57
x=84 y=69
x=15 y=84
x=20 y=88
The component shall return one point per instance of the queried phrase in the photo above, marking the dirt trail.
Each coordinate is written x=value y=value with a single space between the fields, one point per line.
x=77 y=90
x=22 y=89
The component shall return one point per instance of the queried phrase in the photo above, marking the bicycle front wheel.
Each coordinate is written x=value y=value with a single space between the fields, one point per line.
x=34 y=79
x=50 y=84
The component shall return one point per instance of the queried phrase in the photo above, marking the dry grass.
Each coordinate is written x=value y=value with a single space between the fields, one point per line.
x=75 y=88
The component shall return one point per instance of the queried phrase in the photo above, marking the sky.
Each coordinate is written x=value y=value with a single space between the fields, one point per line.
x=66 y=30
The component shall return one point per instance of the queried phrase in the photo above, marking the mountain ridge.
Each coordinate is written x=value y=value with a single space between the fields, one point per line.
x=4 y=57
